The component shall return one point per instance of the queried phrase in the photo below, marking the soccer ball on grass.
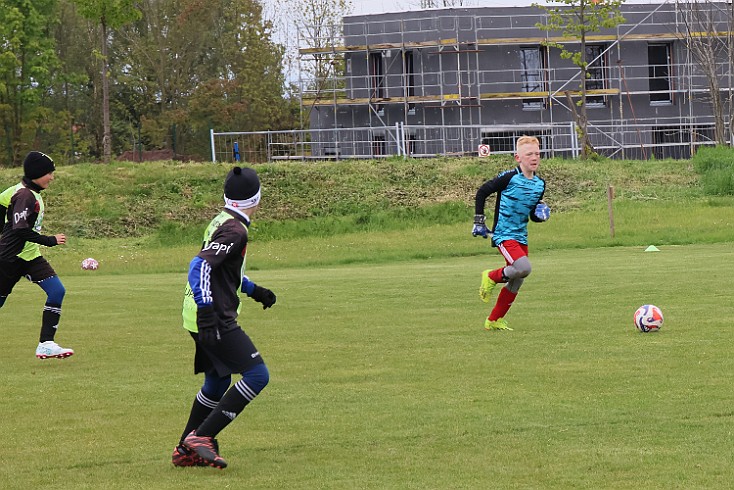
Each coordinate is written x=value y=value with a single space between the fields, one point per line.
x=90 y=264
x=648 y=318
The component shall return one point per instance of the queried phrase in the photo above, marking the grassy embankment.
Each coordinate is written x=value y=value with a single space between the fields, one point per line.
x=149 y=217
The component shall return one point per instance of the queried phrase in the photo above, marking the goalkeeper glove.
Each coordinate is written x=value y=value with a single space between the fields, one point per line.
x=264 y=296
x=542 y=211
x=206 y=321
x=480 y=229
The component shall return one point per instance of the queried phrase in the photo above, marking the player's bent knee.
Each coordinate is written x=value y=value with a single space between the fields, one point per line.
x=257 y=377
x=523 y=267
x=54 y=289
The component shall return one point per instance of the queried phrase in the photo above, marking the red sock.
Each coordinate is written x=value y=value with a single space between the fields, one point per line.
x=496 y=275
x=504 y=301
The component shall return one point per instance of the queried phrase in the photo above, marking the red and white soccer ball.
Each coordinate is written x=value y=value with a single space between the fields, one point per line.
x=90 y=264
x=648 y=318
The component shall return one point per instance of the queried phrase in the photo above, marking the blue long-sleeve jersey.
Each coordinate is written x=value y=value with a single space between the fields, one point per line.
x=515 y=204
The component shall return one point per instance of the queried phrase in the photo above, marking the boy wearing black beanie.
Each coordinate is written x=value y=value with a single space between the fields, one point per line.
x=22 y=208
x=210 y=309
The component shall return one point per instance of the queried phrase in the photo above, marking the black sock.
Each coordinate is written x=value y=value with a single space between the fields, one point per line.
x=50 y=321
x=200 y=410
x=231 y=405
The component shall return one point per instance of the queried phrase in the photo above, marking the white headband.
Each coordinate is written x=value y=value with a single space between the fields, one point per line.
x=243 y=203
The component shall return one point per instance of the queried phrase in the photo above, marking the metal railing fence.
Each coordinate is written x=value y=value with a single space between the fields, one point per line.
x=661 y=138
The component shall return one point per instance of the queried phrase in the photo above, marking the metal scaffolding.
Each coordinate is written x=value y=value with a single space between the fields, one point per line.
x=458 y=68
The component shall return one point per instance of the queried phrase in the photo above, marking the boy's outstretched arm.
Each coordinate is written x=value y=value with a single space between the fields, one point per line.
x=262 y=295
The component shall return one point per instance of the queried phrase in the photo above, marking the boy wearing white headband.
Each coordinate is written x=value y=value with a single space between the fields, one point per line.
x=210 y=309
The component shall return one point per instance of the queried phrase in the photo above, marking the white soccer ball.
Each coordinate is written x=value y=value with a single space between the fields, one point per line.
x=90 y=264
x=648 y=318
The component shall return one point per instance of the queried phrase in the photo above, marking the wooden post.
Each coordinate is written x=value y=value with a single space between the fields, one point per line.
x=610 y=198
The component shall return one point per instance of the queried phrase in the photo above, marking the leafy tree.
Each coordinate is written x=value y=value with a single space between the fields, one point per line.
x=191 y=65
x=27 y=61
x=577 y=19
x=109 y=14
x=75 y=128
x=254 y=62
x=171 y=69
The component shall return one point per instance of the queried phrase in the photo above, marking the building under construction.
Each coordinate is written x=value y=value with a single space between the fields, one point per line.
x=470 y=80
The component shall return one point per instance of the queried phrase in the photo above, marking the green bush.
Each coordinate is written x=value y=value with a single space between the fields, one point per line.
x=716 y=166
x=713 y=157
x=718 y=182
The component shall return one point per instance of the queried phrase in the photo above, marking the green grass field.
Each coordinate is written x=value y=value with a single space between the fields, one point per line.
x=382 y=377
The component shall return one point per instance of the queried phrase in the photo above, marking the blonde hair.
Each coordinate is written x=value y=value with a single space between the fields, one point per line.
x=526 y=140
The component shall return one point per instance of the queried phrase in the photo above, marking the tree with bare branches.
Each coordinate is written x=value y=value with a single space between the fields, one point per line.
x=708 y=37
x=316 y=24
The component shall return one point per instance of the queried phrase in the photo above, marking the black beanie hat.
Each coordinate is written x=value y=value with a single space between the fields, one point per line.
x=241 y=184
x=37 y=164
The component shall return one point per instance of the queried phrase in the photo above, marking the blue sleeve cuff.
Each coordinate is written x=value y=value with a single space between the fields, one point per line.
x=248 y=287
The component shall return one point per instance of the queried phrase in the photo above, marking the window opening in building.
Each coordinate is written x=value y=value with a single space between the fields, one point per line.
x=659 y=59
x=596 y=68
x=409 y=72
x=532 y=62
x=377 y=76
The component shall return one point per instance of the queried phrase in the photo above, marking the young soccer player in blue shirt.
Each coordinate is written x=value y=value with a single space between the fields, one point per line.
x=519 y=198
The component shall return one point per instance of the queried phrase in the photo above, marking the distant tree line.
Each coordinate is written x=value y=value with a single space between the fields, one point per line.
x=174 y=69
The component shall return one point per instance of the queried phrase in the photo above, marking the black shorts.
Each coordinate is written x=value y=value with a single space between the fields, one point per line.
x=35 y=270
x=234 y=354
